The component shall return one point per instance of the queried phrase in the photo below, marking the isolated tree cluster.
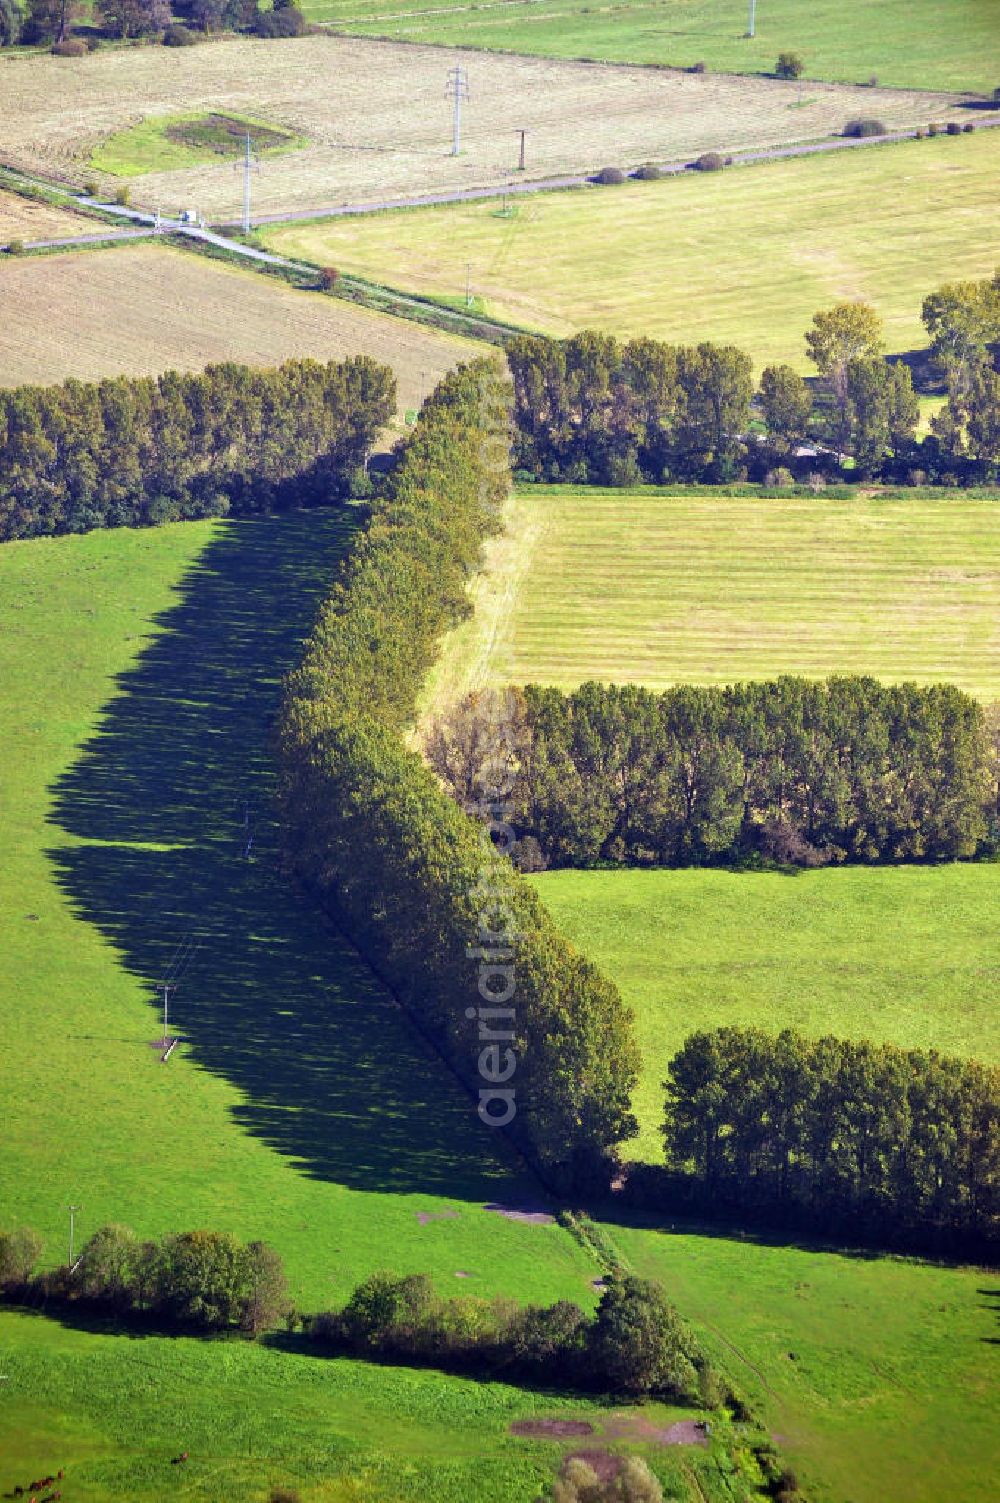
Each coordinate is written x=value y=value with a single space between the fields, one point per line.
x=135 y=450
x=195 y=1281
x=796 y=771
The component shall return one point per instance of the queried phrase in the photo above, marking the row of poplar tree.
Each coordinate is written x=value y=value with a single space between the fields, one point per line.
x=593 y=410
x=371 y=833
x=803 y=772
x=837 y=1129
x=135 y=451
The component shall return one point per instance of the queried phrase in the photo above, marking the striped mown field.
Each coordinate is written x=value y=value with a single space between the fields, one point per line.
x=659 y=589
x=745 y=256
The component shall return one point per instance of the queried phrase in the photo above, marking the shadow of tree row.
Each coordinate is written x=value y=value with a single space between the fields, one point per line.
x=272 y=999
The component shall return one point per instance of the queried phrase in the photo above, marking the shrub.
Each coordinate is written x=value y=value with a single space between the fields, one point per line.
x=933 y=129
x=865 y=125
x=699 y=67
x=610 y=176
x=288 y=21
x=285 y=1495
x=789 y=65
x=20 y=1250
x=15 y=247
x=968 y=127
x=178 y=35
x=70 y=47
x=122 y=196
x=919 y=136
x=953 y=128
x=873 y=81
x=92 y=189
x=328 y=278
x=710 y=161
x=647 y=173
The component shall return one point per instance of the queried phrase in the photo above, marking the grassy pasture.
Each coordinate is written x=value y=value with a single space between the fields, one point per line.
x=910 y=43
x=901 y=954
x=144 y=309
x=657 y=589
x=878 y=1375
x=366 y=143
x=139 y=671
x=112 y=1410
x=179 y=141
x=745 y=257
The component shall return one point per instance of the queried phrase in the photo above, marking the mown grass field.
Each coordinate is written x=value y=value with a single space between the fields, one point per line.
x=139 y=310
x=745 y=256
x=112 y=1410
x=914 y=43
x=709 y=589
x=907 y=955
x=878 y=1374
x=368 y=141
x=139 y=671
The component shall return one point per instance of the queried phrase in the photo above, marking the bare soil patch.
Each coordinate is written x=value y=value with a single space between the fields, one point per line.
x=551 y=1429
x=532 y=1215
x=366 y=143
x=425 y=1217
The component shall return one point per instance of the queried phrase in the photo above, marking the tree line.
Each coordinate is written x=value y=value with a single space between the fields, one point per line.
x=593 y=410
x=195 y=1281
x=793 y=770
x=368 y=830
x=136 y=451
x=44 y=22
x=835 y=1133
x=635 y=1344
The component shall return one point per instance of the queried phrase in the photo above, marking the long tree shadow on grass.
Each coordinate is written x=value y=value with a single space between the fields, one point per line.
x=272 y=998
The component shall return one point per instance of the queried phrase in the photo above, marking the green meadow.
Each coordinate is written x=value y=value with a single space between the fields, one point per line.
x=167 y=143
x=903 y=42
x=139 y=674
x=877 y=1375
x=113 y=1410
x=745 y=256
x=907 y=955
x=653 y=588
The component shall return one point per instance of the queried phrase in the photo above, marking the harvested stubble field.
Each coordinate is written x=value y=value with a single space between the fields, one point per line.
x=25 y=219
x=370 y=141
x=905 y=42
x=733 y=256
x=143 y=309
x=658 y=589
